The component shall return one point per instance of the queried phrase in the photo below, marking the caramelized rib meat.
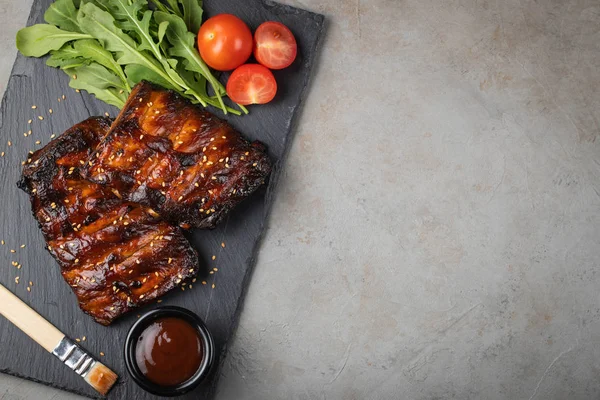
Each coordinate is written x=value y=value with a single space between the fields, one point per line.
x=116 y=255
x=166 y=153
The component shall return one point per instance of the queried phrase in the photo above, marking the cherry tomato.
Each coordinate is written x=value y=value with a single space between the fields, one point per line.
x=251 y=84
x=224 y=42
x=274 y=45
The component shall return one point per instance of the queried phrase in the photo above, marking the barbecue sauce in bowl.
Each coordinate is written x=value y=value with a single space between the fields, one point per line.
x=169 y=351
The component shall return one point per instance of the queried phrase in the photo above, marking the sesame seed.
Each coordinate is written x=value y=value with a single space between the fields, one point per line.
x=215 y=269
x=214 y=178
x=22 y=246
x=223 y=244
x=28 y=289
x=204 y=282
x=254 y=165
x=17 y=280
x=52 y=136
x=13 y=251
x=63 y=97
x=214 y=257
x=76 y=260
x=141 y=296
x=30 y=121
x=25 y=134
x=102 y=354
x=2 y=242
x=2 y=154
x=40 y=117
x=182 y=289
x=77 y=90
x=77 y=340
x=112 y=308
x=34 y=107
x=141 y=137
x=194 y=280
x=213 y=285
x=74 y=76
x=9 y=143
x=195 y=184
x=180 y=142
x=214 y=148
x=58 y=99
x=107 y=114
x=37 y=142
x=83 y=339
x=211 y=272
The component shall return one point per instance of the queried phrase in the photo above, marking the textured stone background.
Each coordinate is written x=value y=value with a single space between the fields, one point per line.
x=437 y=231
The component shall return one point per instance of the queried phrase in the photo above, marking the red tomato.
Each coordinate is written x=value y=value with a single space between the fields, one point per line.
x=251 y=84
x=225 y=42
x=274 y=45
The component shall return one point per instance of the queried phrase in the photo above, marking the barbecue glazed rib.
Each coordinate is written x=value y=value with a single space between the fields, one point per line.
x=184 y=162
x=115 y=255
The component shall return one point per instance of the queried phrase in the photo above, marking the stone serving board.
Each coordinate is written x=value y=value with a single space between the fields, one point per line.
x=33 y=83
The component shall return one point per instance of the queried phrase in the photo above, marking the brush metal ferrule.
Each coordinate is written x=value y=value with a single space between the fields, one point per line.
x=73 y=356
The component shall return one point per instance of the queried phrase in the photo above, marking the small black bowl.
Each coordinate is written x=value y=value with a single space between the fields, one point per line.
x=137 y=329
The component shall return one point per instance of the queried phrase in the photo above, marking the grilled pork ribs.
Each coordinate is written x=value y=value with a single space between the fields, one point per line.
x=166 y=153
x=115 y=255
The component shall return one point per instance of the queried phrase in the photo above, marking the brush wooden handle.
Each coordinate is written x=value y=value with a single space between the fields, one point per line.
x=29 y=321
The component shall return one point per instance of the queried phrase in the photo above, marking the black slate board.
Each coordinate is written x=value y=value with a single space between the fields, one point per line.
x=32 y=83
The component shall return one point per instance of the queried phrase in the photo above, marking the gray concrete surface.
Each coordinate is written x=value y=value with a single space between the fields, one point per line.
x=437 y=230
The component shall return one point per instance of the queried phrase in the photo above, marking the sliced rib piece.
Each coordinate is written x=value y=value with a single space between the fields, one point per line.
x=116 y=255
x=182 y=161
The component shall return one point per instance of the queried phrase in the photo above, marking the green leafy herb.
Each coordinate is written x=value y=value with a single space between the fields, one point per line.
x=192 y=14
x=182 y=45
x=99 y=81
x=38 y=40
x=111 y=45
x=63 y=14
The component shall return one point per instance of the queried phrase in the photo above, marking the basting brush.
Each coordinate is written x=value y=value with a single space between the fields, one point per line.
x=54 y=341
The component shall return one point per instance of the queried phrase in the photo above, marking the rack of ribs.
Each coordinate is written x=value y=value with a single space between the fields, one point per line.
x=116 y=255
x=168 y=154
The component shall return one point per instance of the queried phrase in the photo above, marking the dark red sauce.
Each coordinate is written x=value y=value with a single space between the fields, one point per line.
x=169 y=351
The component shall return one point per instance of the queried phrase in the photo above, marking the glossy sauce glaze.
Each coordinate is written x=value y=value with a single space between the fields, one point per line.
x=169 y=351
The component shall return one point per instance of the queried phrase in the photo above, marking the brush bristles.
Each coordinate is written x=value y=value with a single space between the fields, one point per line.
x=101 y=378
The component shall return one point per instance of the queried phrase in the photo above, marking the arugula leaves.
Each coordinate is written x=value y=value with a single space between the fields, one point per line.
x=38 y=40
x=111 y=45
